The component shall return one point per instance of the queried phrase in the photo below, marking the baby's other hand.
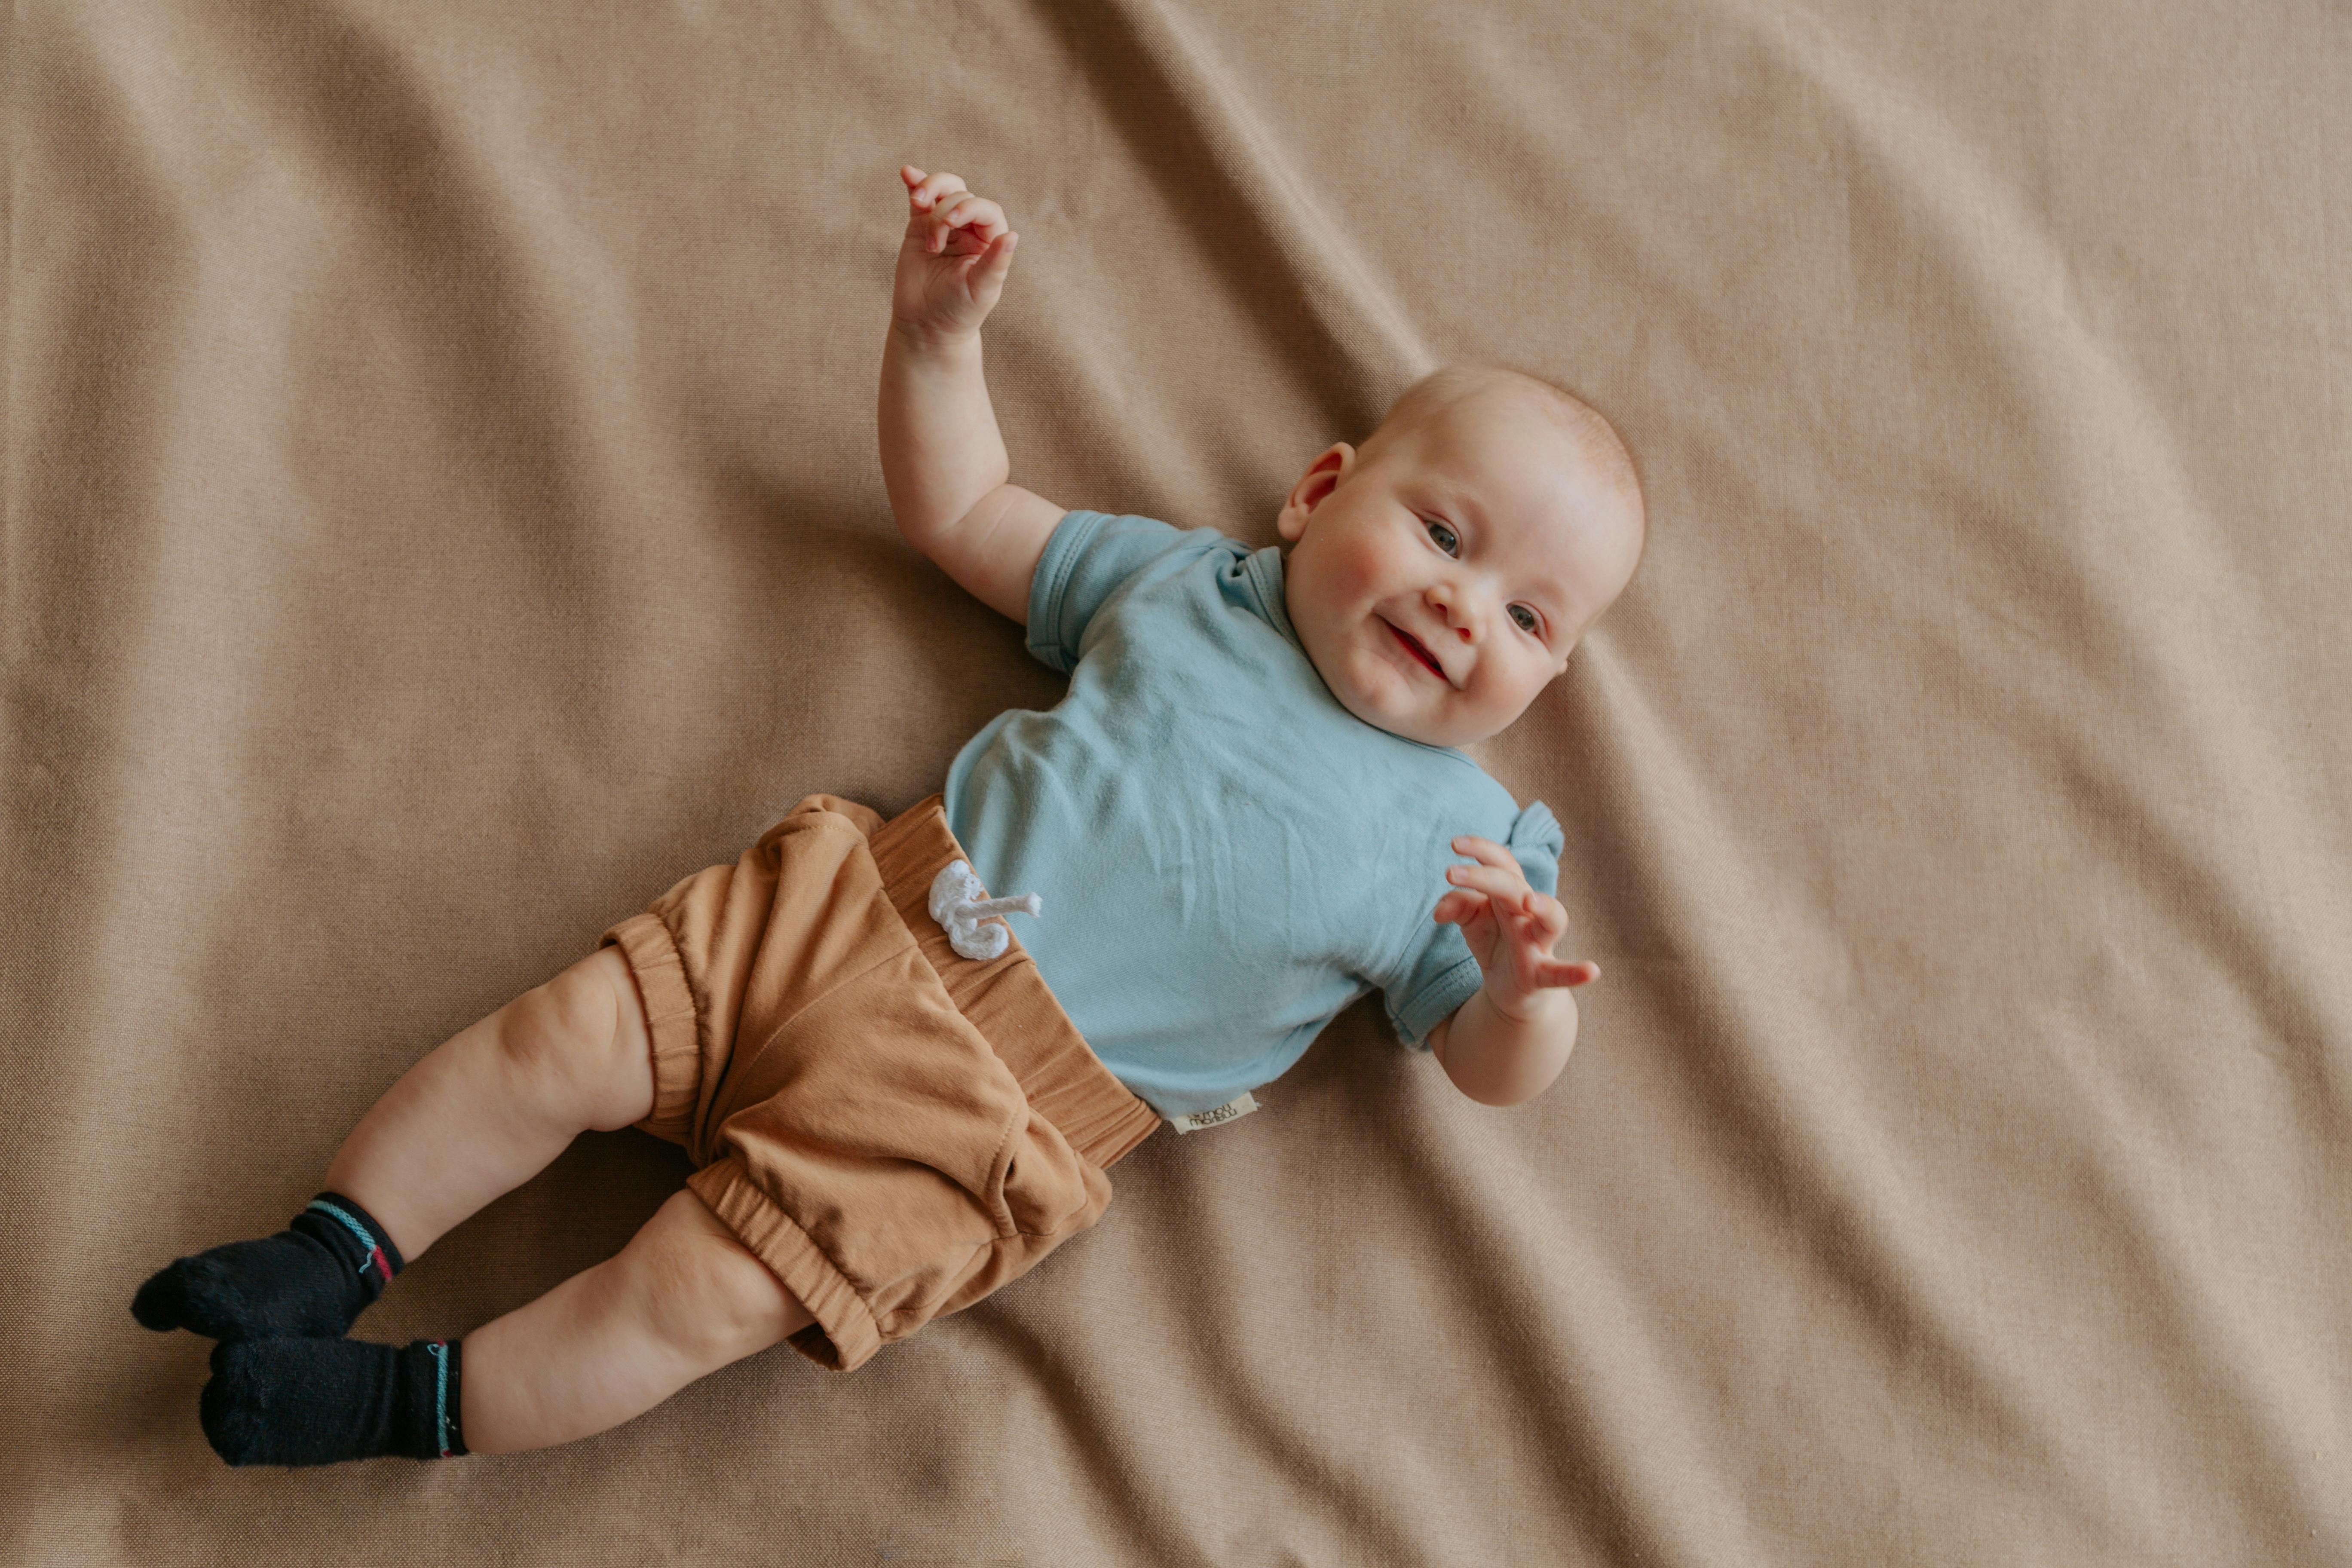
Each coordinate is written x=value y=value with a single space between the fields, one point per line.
x=1510 y=927
x=953 y=261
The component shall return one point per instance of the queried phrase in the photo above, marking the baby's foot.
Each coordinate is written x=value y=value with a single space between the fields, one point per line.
x=315 y=1402
x=312 y=1278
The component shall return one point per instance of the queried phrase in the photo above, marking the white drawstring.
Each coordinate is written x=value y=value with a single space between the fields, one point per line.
x=957 y=905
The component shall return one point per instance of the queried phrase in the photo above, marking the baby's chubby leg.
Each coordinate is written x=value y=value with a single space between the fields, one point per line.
x=482 y=1114
x=681 y=1300
x=492 y=1106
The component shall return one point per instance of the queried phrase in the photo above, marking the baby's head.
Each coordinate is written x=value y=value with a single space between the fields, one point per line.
x=1440 y=575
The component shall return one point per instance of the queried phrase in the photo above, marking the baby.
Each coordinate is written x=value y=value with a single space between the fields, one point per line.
x=1229 y=830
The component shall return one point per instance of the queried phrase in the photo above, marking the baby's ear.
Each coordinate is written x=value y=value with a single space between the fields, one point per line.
x=1322 y=477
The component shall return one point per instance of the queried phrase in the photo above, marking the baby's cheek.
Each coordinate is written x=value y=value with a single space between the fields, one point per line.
x=1362 y=569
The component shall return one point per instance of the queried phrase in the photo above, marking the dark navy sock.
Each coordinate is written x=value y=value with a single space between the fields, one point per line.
x=311 y=1280
x=315 y=1402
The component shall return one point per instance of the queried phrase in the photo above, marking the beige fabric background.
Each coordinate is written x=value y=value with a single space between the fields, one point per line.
x=442 y=511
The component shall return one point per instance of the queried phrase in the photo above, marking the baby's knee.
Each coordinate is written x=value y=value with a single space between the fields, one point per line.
x=706 y=1296
x=567 y=1038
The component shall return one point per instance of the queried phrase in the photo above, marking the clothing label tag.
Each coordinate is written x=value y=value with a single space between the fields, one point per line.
x=1232 y=1110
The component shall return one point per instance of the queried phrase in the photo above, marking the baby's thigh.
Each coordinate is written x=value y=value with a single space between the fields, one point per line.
x=700 y=1293
x=630 y=1067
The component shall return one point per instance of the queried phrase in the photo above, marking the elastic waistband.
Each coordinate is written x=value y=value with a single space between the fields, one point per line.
x=1005 y=998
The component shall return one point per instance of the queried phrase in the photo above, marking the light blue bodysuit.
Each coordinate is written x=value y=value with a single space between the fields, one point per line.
x=1226 y=856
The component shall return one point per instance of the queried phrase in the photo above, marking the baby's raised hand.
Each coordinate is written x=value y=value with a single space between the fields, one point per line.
x=953 y=261
x=1510 y=927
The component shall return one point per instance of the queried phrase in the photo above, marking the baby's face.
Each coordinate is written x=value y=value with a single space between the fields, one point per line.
x=1440 y=578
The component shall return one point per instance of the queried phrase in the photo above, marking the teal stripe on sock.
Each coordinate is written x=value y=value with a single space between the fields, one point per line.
x=367 y=1241
x=440 y=1349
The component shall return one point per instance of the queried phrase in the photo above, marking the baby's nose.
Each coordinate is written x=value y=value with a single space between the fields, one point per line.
x=1449 y=607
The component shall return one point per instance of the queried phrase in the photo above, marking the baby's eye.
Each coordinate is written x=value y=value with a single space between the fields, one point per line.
x=1525 y=616
x=1444 y=537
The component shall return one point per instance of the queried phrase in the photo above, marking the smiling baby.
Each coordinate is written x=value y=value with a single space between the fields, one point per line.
x=1250 y=810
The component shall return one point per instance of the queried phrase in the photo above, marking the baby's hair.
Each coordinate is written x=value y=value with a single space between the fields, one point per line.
x=1441 y=390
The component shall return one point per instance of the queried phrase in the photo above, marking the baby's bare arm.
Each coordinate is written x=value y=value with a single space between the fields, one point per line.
x=1509 y=1042
x=943 y=460
x=1498 y=1059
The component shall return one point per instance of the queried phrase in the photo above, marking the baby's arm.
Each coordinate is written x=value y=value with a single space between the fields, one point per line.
x=943 y=460
x=1509 y=1042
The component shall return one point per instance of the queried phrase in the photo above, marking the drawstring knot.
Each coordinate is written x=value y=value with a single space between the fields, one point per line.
x=966 y=917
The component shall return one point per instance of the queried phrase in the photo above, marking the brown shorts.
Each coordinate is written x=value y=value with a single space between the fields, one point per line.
x=895 y=1129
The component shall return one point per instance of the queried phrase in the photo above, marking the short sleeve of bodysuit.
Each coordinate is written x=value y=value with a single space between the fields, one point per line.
x=1088 y=557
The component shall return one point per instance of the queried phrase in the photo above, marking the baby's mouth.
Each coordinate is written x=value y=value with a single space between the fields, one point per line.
x=1418 y=651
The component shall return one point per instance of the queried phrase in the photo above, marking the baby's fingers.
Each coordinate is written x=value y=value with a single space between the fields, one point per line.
x=1508 y=886
x=964 y=208
x=988 y=273
x=925 y=191
x=1484 y=850
x=1457 y=907
x=1546 y=914
x=1554 y=973
x=967 y=222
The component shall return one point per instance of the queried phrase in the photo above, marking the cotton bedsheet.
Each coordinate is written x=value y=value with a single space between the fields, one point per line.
x=441 y=510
